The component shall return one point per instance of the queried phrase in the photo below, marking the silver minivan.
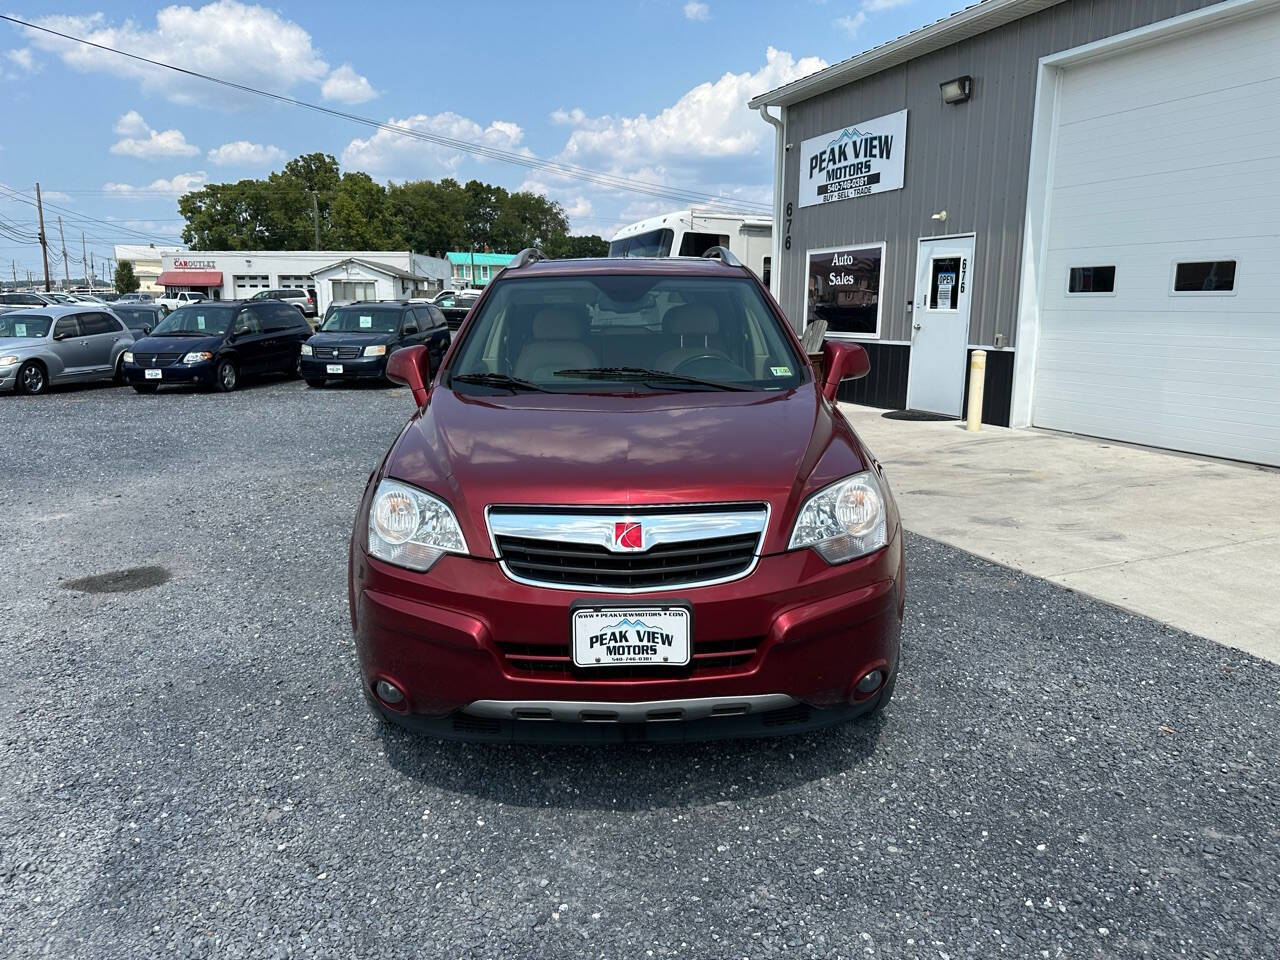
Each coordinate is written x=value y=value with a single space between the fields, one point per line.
x=41 y=346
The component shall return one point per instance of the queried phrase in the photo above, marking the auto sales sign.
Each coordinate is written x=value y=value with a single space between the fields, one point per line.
x=860 y=160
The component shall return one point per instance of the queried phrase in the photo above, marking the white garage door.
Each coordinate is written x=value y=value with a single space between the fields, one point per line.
x=246 y=287
x=1160 y=316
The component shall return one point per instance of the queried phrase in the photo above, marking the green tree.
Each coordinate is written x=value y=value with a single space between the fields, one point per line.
x=360 y=216
x=568 y=248
x=126 y=280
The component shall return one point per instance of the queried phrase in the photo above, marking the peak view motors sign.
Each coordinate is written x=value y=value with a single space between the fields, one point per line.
x=859 y=160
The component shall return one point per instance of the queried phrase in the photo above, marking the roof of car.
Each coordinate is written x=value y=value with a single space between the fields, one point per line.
x=662 y=266
x=56 y=310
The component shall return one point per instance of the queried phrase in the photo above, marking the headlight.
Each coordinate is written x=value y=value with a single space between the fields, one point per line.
x=128 y=356
x=843 y=520
x=197 y=357
x=10 y=361
x=375 y=350
x=411 y=528
x=306 y=350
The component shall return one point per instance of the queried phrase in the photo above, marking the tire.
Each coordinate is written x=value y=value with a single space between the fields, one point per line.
x=145 y=387
x=296 y=372
x=314 y=384
x=118 y=377
x=227 y=377
x=32 y=379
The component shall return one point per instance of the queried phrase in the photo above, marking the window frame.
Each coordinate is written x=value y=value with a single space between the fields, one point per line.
x=882 y=245
x=1094 y=293
x=1210 y=258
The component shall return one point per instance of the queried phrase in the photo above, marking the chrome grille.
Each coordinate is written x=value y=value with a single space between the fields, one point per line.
x=156 y=359
x=584 y=548
x=337 y=353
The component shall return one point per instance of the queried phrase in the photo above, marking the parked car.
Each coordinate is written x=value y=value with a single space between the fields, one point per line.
x=629 y=511
x=355 y=341
x=27 y=299
x=444 y=293
x=304 y=300
x=109 y=297
x=140 y=318
x=136 y=298
x=181 y=299
x=456 y=306
x=42 y=346
x=218 y=343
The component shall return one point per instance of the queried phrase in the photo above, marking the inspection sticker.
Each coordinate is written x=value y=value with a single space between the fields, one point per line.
x=780 y=371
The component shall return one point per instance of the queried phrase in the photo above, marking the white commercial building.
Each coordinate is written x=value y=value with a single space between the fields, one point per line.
x=145 y=258
x=333 y=274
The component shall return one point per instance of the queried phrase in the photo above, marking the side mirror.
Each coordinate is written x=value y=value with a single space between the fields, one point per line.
x=410 y=331
x=842 y=361
x=412 y=367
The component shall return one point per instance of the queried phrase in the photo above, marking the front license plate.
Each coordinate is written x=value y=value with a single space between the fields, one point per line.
x=622 y=636
x=152 y=374
x=333 y=368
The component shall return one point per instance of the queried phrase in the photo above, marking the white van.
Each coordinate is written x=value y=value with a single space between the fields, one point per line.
x=690 y=233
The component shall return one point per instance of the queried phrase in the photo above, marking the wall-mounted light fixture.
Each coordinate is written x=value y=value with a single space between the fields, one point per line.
x=958 y=90
x=940 y=216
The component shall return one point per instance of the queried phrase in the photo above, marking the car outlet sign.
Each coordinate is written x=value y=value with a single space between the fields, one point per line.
x=856 y=161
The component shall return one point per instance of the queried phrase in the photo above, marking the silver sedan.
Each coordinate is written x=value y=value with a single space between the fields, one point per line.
x=41 y=346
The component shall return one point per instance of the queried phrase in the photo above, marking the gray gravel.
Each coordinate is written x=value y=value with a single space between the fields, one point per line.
x=187 y=768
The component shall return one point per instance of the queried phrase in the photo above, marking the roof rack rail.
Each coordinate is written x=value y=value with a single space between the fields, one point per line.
x=724 y=255
x=525 y=257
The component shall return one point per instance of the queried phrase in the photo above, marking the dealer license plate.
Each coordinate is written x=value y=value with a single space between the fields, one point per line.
x=152 y=375
x=333 y=368
x=624 y=636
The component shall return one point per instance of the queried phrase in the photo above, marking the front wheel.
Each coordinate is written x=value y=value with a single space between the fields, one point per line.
x=119 y=374
x=32 y=379
x=226 y=377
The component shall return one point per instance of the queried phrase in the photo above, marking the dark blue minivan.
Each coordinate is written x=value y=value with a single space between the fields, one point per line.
x=218 y=343
x=355 y=340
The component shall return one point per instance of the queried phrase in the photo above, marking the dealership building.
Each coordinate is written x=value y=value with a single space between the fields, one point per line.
x=1087 y=190
x=333 y=274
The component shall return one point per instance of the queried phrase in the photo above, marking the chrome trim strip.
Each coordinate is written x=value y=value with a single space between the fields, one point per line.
x=597 y=530
x=647 y=711
x=759 y=511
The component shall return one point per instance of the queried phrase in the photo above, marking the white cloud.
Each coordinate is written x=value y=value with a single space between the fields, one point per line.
x=242 y=153
x=140 y=141
x=693 y=10
x=178 y=184
x=852 y=23
x=249 y=44
x=22 y=58
x=57 y=196
x=346 y=86
x=394 y=154
x=711 y=120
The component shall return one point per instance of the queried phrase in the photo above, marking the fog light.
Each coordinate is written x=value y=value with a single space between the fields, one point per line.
x=388 y=693
x=870 y=683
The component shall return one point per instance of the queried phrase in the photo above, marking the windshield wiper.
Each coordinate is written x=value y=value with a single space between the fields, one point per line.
x=498 y=380
x=636 y=374
x=181 y=333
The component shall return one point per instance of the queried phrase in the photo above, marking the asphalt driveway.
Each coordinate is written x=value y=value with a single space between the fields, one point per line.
x=187 y=767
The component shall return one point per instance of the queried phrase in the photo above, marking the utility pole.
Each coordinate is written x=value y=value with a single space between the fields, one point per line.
x=315 y=216
x=92 y=273
x=44 y=242
x=66 y=269
x=84 y=259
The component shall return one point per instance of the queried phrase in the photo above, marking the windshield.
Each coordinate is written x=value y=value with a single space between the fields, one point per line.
x=135 y=315
x=196 y=319
x=626 y=334
x=655 y=243
x=362 y=320
x=24 y=325
x=464 y=300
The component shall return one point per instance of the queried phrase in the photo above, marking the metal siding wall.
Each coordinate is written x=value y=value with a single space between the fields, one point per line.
x=970 y=159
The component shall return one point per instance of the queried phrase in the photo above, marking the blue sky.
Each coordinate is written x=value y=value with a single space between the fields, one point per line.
x=653 y=90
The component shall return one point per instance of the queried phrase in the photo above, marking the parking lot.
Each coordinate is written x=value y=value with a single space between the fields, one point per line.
x=187 y=767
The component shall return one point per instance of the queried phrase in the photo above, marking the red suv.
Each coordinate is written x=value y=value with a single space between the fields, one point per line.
x=627 y=510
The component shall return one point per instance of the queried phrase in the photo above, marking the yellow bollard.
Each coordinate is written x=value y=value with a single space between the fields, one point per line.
x=977 y=380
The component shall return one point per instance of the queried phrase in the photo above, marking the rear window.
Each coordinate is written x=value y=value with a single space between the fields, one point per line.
x=571 y=335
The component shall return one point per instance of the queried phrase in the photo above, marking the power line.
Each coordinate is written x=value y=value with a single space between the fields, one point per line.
x=25 y=198
x=557 y=167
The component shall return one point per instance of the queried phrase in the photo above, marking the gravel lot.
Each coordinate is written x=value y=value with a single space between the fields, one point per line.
x=188 y=769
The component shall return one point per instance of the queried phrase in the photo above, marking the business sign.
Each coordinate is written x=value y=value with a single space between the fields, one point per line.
x=857 y=161
x=180 y=263
x=843 y=288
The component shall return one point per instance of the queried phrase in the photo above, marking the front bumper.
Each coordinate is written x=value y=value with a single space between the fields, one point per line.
x=181 y=373
x=361 y=368
x=445 y=639
x=9 y=378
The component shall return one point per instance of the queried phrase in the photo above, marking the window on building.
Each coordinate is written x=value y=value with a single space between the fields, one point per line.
x=1092 y=280
x=696 y=244
x=944 y=285
x=1205 y=276
x=843 y=288
x=354 y=290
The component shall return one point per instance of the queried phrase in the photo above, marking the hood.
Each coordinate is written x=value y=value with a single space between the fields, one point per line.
x=349 y=339
x=163 y=344
x=674 y=448
x=14 y=344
